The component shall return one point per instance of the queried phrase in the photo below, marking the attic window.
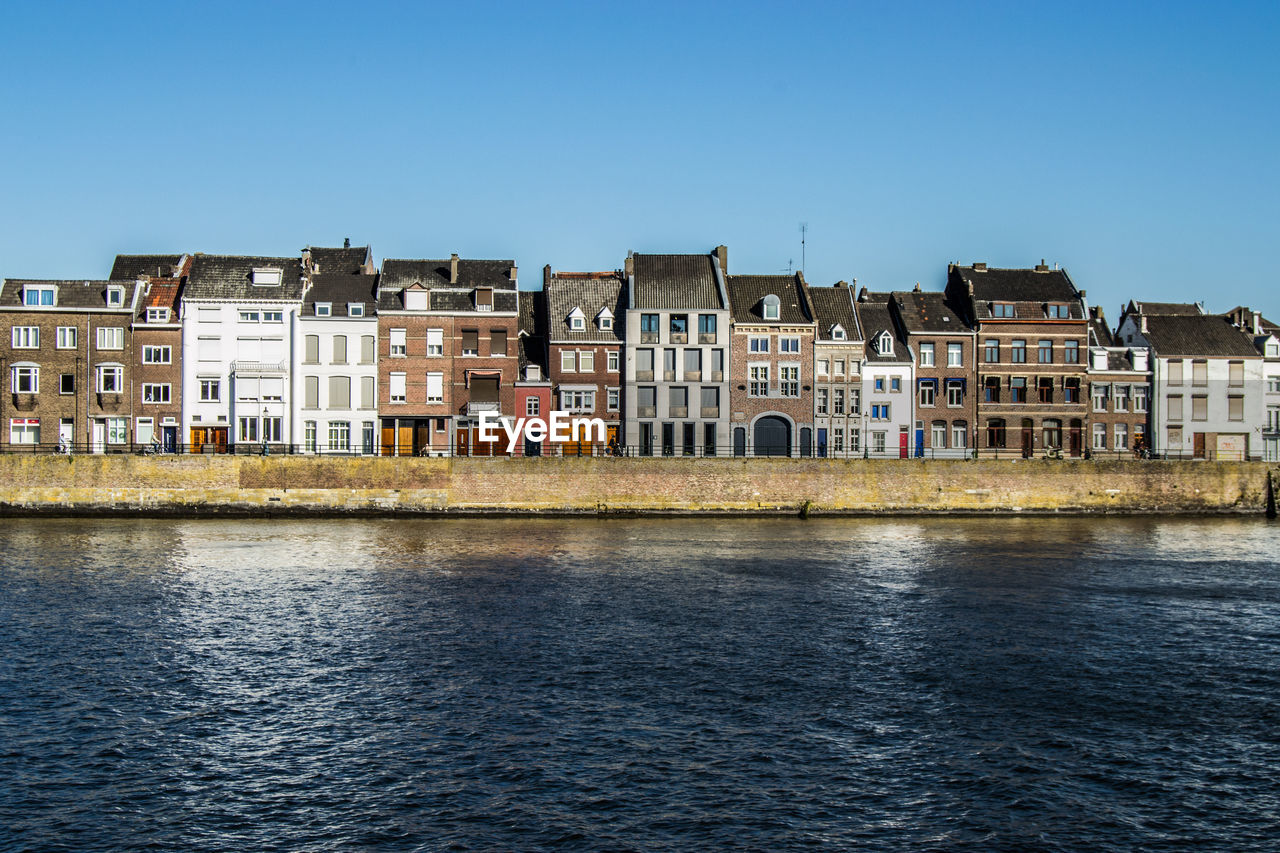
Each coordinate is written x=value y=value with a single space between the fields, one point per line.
x=115 y=296
x=484 y=298
x=39 y=295
x=324 y=309
x=771 y=306
x=355 y=309
x=1002 y=309
x=1059 y=312
x=157 y=315
x=604 y=320
x=415 y=298
x=267 y=277
x=532 y=373
x=837 y=332
x=886 y=344
x=577 y=320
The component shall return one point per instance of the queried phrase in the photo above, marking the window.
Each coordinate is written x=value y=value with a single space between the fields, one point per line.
x=26 y=379
x=1071 y=352
x=1175 y=371
x=611 y=361
x=24 y=431
x=927 y=391
x=1235 y=407
x=895 y=384
x=67 y=337
x=368 y=386
x=1018 y=352
x=938 y=434
x=399 y=342
x=822 y=367
x=355 y=309
x=706 y=328
x=37 y=296
x=880 y=411
x=837 y=440
x=470 y=341
x=1101 y=393
x=339 y=392
x=585 y=401
x=991 y=351
x=955 y=355
x=613 y=399
x=339 y=435
x=339 y=349
x=577 y=322
x=247 y=388
x=532 y=407
x=1002 y=310
x=771 y=307
x=679 y=329
x=435 y=387
x=1099 y=436
x=311 y=349
x=67 y=383
x=157 y=354
x=568 y=361
x=1174 y=404
x=273 y=429
x=397 y=387
x=789 y=381
x=647 y=401
x=837 y=368
x=1199 y=408
x=789 y=345
x=838 y=333
x=586 y=362
x=759 y=380
x=1044 y=389
x=1071 y=390
x=821 y=401
x=1120 y=398
x=368 y=349
x=855 y=401
x=757 y=344
x=210 y=390
x=1235 y=374
x=497 y=342
x=324 y=309
x=926 y=356
x=1059 y=312
x=110 y=378
x=1140 y=398
x=156 y=393
x=878 y=442
x=110 y=338
x=27 y=337
x=115 y=296
x=604 y=321
x=1044 y=352
x=272 y=316
x=1200 y=373
x=644 y=364
x=248 y=429
x=995 y=433
x=878 y=384
x=1273 y=418
x=885 y=344
x=959 y=435
x=991 y=389
x=837 y=401
x=1017 y=390
x=648 y=328
x=250 y=317
x=1122 y=437
x=955 y=393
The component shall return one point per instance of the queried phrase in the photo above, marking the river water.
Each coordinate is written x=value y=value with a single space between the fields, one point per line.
x=976 y=684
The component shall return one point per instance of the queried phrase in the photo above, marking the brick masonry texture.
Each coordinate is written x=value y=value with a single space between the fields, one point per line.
x=199 y=485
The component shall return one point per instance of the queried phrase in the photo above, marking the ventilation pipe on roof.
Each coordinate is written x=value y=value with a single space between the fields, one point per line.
x=453 y=268
x=1042 y=266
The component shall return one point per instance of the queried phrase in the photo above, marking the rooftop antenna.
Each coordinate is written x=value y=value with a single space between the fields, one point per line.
x=804 y=230
x=790 y=263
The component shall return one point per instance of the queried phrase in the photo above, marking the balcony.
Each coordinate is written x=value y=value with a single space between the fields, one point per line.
x=646 y=411
x=710 y=411
x=475 y=407
x=260 y=367
x=706 y=337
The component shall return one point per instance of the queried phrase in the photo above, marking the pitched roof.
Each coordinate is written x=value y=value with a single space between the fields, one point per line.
x=340 y=290
x=747 y=293
x=674 y=282
x=1168 y=309
x=590 y=293
x=1205 y=335
x=457 y=297
x=928 y=311
x=231 y=277
x=831 y=306
x=531 y=347
x=161 y=293
x=1099 y=334
x=348 y=260
x=73 y=295
x=1028 y=289
x=137 y=266
x=875 y=319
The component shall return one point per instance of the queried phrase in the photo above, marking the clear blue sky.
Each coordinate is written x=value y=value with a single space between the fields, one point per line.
x=1134 y=144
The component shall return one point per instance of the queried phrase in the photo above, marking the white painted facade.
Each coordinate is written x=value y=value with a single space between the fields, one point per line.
x=888 y=397
x=336 y=397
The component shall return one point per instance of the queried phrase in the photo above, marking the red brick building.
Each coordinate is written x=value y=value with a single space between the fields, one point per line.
x=942 y=345
x=157 y=350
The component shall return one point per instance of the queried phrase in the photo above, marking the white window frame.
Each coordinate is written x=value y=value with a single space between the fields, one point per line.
x=398 y=387
x=157 y=354
x=399 y=342
x=26 y=337
x=955 y=355
x=325 y=309
x=30 y=372
x=158 y=315
x=210 y=390
x=110 y=338
x=612 y=361
x=68 y=337
x=435 y=343
x=926 y=355
x=110 y=370
x=436 y=378
x=160 y=392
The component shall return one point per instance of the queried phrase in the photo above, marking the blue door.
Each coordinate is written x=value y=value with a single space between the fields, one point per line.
x=822 y=443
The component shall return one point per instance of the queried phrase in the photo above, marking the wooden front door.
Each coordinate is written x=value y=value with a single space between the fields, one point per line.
x=1197 y=439
x=1028 y=438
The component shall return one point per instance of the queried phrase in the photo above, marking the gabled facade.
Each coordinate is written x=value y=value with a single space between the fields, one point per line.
x=1207 y=381
x=676 y=389
x=838 y=353
x=942 y=345
x=888 y=402
x=1032 y=334
x=239 y=350
x=446 y=353
x=157 y=348
x=69 y=354
x=771 y=365
x=585 y=327
x=1119 y=393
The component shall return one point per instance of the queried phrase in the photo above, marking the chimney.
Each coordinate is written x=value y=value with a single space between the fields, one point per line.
x=346 y=242
x=979 y=267
x=1257 y=322
x=1042 y=266
x=917 y=288
x=306 y=261
x=453 y=268
x=1142 y=323
x=511 y=274
x=629 y=268
x=842 y=283
x=862 y=294
x=546 y=277
x=722 y=255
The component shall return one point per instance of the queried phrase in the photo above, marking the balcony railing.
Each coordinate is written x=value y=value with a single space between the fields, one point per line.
x=280 y=367
x=476 y=407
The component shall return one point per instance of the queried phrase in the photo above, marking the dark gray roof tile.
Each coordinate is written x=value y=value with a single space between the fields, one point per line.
x=747 y=293
x=1173 y=335
x=676 y=282
x=589 y=292
x=230 y=277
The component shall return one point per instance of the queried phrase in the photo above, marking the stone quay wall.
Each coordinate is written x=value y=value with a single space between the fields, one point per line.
x=282 y=485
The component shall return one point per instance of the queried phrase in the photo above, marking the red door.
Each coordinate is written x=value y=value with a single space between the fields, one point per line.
x=904 y=444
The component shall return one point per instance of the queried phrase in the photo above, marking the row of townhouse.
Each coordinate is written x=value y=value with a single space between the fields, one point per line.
x=323 y=352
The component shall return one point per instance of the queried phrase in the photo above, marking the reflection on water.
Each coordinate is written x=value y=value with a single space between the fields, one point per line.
x=1012 y=683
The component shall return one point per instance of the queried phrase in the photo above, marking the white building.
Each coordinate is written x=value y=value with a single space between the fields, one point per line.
x=888 y=401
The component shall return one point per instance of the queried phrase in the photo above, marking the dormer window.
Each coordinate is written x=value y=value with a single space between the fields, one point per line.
x=1273 y=349
x=532 y=373
x=267 y=277
x=885 y=344
x=838 y=333
x=39 y=296
x=324 y=309
x=1002 y=309
x=115 y=296
x=771 y=307
x=415 y=298
x=604 y=320
x=484 y=298
x=157 y=315
x=577 y=320
x=355 y=309
x=1059 y=312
